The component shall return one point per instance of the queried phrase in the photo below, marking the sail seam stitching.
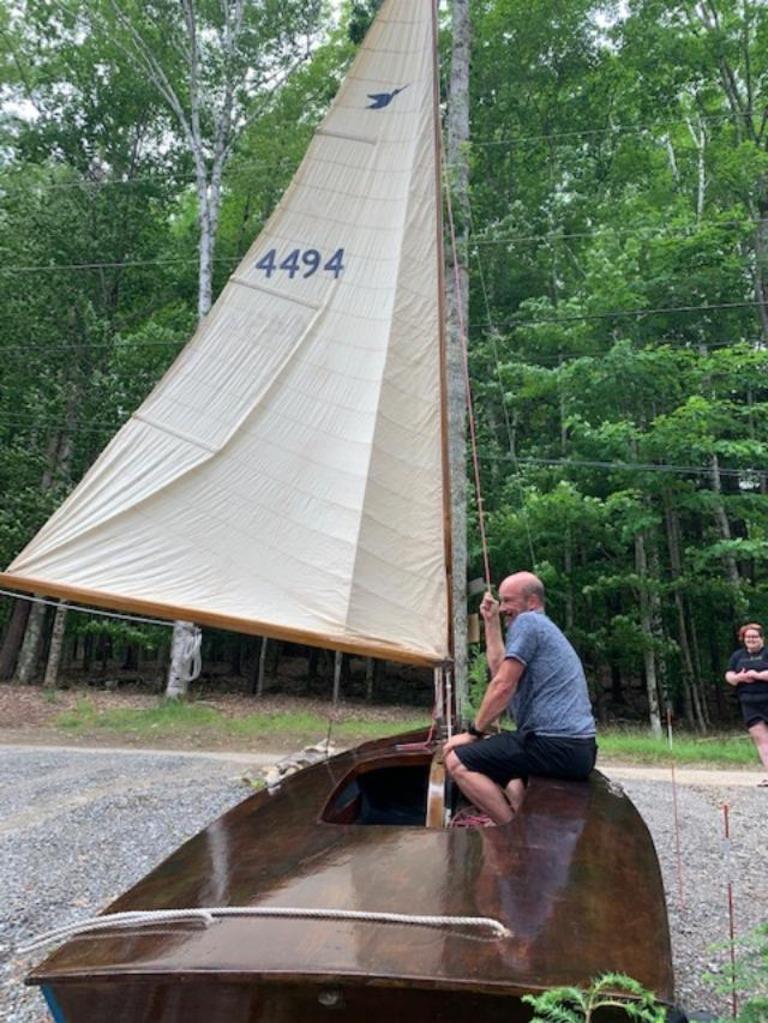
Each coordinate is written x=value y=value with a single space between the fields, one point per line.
x=276 y=294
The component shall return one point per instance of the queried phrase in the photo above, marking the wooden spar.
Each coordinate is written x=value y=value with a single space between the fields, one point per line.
x=444 y=421
x=251 y=627
x=457 y=133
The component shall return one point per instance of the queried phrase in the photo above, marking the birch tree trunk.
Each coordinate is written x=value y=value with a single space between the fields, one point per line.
x=724 y=527
x=649 y=656
x=457 y=287
x=691 y=693
x=51 y=679
x=26 y=667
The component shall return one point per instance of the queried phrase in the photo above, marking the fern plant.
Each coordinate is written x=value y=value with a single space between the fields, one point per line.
x=609 y=991
x=750 y=977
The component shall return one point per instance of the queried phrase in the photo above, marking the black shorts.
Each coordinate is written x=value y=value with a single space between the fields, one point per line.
x=511 y=755
x=754 y=707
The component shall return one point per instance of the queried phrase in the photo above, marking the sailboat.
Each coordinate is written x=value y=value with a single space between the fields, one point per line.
x=288 y=478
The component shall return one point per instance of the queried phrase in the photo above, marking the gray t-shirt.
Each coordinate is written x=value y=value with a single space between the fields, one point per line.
x=551 y=697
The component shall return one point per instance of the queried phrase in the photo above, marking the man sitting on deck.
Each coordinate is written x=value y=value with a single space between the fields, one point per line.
x=538 y=676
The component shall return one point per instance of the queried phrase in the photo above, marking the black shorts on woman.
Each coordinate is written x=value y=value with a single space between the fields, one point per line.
x=511 y=755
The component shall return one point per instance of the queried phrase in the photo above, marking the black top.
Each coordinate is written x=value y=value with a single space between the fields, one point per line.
x=741 y=660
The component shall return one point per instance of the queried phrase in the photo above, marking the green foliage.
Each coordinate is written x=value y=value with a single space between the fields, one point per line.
x=618 y=193
x=477 y=677
x=122 y=633
x=750 y=977
x=610 y=991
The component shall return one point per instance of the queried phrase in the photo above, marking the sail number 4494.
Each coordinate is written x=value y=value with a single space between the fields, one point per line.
x=306 y=262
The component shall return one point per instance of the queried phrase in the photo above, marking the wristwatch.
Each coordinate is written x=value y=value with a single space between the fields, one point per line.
x=474 y=730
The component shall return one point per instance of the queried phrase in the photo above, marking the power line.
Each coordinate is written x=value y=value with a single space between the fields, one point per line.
x=119 y=346
x=617 y=313
x=116 y=346
x=630 y=466
x=610 y=130
x=9 y=184
x=46 y=267
x=621 y=232
x=512 y=239
x=693 y=347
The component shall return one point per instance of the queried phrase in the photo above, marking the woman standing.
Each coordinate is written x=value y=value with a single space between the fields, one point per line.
x=748 y=672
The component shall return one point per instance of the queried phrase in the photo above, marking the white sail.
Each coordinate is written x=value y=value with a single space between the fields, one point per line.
x=286 y=475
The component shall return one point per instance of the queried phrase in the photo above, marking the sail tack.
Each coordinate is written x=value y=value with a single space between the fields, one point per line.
x=286 y=475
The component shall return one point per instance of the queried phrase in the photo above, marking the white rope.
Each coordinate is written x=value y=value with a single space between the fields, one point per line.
x=86 y=610
x=208 y=916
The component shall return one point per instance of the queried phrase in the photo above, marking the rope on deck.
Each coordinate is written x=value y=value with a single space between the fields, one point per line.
x=208 y=916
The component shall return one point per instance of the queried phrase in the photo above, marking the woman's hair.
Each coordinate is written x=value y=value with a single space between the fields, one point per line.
x=750 y=625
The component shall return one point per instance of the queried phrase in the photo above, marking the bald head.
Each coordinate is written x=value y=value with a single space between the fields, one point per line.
x=520 y=592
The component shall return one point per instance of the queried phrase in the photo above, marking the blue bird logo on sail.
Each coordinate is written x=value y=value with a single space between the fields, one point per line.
x=383 y=99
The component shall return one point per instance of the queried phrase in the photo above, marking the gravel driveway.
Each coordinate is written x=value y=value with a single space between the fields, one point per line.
x=78 y=826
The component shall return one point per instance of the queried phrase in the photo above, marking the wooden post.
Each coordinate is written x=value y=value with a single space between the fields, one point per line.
x=262 y=666
x=338 y=660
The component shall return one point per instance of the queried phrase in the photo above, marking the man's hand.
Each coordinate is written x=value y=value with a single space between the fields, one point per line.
x=489 y=609
x=462 y=739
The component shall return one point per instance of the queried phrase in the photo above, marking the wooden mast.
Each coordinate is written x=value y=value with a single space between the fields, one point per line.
x=458 y=307
x=446 y=425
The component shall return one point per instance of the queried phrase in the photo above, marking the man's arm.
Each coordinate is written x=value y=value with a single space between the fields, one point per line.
x=500 y=691
x=494 y=639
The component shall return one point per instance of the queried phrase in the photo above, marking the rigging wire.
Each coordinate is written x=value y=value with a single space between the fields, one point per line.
x=676 y=816
x=134 y=619
x=468 y=386
x=493 y=334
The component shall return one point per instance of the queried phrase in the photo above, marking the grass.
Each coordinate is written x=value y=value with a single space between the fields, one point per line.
x=174 y=718
x=637 y=746
x=634 y=746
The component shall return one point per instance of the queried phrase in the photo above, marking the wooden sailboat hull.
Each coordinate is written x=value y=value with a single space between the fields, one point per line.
x=574 y=878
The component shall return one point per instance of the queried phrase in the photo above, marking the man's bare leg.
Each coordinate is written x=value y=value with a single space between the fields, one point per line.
x=514 y=791
x=485 y=794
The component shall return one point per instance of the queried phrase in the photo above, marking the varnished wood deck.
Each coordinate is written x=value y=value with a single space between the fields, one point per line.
x=574 y=877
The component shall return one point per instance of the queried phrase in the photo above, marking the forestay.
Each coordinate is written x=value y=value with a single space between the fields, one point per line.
x=286 y=475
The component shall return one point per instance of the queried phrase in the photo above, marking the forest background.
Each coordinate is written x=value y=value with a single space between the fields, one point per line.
x=616 y=236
